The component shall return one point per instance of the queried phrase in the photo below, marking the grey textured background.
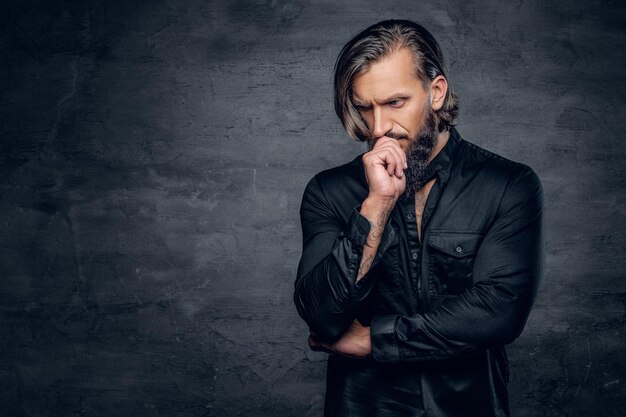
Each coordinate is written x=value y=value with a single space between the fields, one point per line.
x=153 y=157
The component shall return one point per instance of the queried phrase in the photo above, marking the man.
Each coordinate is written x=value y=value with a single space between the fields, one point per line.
x=421 y=257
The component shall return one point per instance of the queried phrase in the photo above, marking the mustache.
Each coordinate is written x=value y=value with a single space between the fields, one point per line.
x=391 y=135
x=398 y=136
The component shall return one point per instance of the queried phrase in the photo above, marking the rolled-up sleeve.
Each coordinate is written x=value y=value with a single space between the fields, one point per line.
x=326 y=292
x=506 y=273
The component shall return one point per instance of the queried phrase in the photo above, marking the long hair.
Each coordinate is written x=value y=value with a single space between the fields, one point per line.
x=376 y=42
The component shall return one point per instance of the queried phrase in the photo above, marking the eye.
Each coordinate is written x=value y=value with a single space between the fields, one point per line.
x=396 y=103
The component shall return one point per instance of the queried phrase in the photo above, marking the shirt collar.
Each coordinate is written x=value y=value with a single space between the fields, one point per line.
x=442 y=163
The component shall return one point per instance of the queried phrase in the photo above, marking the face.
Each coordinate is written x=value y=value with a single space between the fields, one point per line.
x=393 y=103
x=391 y=99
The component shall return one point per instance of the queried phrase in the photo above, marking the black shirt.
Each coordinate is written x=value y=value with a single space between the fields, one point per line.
x=440 y=309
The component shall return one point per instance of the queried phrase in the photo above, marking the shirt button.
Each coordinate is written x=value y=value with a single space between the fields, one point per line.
x=458 y=249
x=409 y=216
x=414 y=256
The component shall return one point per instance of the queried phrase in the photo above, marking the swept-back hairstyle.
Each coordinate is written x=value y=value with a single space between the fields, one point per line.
x=376 y=42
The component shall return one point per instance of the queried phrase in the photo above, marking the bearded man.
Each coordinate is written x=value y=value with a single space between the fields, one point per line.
x=422 y=256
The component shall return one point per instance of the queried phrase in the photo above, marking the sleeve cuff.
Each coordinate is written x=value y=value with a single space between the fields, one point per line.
x=358 y=227
x=358 y=230
x=384 y=341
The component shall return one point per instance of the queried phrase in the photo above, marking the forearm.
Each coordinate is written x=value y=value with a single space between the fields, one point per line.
x=327 y=293
x=337 y=257
x=483 y=317
x=376 y=211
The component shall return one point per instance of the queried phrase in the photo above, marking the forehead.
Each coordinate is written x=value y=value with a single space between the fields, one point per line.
x=391 y=74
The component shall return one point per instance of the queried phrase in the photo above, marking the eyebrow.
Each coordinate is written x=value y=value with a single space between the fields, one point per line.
x=396 y=96
x=356 y=101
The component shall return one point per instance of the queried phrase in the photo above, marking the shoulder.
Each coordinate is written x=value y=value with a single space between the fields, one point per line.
x=515 y=181
x=340 y=182
x=336 y=190
x=339 y=175
x=472 y=157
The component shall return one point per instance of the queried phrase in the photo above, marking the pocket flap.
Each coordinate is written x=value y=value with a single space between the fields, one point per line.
x=457 y=244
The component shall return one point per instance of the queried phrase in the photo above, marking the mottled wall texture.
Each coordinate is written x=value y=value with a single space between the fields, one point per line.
x=153 y=156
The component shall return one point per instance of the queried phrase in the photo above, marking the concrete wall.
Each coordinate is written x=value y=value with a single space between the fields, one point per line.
x=153 y=157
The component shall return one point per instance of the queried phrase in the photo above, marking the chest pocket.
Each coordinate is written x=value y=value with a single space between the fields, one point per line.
x=451 y=261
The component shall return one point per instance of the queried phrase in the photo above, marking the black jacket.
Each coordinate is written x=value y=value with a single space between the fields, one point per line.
x=440 y=309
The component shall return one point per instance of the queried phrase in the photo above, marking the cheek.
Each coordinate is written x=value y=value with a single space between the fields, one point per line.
x=411 y=120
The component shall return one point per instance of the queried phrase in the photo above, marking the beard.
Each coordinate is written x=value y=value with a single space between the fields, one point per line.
x=417 y=155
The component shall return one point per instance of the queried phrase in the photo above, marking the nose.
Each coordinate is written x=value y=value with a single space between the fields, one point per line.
x=382 y=123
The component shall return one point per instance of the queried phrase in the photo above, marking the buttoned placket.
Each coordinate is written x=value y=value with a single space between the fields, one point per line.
x=413 y=267
x=415 y=245
x=408 y=213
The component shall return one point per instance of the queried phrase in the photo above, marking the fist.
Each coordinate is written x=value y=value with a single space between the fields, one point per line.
x=384 y=169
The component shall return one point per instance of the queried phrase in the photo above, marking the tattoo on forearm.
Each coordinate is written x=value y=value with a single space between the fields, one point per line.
x=366 y=263
x=372 y=242
x=379 y=226
x=382 y=218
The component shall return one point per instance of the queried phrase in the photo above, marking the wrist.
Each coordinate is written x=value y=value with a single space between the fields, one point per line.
x=373 y=207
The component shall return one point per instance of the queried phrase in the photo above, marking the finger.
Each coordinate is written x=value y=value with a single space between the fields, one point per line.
x=317 y=346
x=395 y=144
x=398 y=157
x=386 y=157
x=387 y=142
x=391 y=163
x=313 y=342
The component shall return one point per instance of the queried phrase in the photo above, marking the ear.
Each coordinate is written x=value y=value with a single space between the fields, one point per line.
x=438 y=90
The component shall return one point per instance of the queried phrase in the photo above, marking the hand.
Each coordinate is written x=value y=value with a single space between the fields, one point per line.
x=384 y=169
x=355 y=342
